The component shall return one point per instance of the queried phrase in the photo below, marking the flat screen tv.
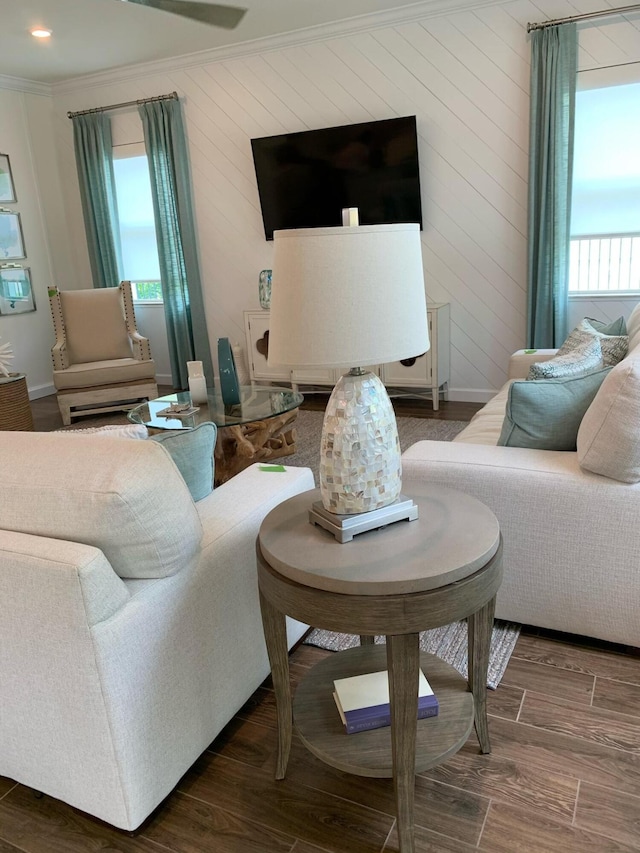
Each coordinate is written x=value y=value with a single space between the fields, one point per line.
x=305 y=179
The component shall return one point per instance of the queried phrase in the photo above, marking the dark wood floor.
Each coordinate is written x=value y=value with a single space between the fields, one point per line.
x=563 y=776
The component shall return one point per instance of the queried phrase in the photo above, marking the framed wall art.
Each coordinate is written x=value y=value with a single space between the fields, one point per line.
x=7 y=189
x=11 y=241
x=16 y=295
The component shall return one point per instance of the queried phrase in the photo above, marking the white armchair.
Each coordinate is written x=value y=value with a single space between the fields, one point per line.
x=100 y=361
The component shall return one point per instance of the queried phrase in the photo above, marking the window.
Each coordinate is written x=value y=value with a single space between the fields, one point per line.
x=136 y=223
x=605 y=210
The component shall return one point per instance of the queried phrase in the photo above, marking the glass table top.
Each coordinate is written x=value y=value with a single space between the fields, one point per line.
x=257 y=403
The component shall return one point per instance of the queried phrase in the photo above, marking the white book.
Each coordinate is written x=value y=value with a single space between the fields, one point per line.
x=363 y=700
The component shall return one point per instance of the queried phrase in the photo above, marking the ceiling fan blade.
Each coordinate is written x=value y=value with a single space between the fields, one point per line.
x=227 y=17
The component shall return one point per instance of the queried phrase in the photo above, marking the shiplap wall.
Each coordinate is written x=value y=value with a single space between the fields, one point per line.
x=464 y=74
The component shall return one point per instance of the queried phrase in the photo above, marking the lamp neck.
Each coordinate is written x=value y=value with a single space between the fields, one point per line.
x=357 y=371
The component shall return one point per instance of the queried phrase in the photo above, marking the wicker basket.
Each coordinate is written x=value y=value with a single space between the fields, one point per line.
x=15 y=411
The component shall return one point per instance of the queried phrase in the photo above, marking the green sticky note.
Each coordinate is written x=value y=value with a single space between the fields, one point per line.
x=272 y=468
x=530 y=351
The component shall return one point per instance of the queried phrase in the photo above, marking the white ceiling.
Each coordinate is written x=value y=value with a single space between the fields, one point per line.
x=97 y=35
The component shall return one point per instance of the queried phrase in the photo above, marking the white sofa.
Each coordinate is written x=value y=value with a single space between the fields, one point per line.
x=130 y=628
x=571 y=536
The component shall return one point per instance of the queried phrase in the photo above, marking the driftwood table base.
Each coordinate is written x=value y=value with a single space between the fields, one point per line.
x=239 y=446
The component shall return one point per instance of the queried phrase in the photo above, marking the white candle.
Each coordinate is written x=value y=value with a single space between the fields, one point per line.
x=198 y=389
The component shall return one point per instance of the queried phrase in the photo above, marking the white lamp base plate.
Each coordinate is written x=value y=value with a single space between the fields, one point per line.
x=345 y=527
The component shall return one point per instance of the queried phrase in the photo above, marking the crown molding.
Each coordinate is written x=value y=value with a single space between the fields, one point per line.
x=320 y=32
x=30 y=87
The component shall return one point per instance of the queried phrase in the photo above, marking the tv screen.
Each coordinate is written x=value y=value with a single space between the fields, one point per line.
x=305 y=179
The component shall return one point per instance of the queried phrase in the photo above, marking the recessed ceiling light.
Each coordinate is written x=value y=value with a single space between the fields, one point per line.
x=40 y=33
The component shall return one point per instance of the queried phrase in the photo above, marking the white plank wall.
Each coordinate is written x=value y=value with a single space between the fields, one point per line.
x=464 y=74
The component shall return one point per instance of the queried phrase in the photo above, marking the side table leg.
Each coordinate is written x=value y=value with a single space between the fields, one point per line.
x=480 y=626
x=403 y=661
x=367 y=640
x=275 y=634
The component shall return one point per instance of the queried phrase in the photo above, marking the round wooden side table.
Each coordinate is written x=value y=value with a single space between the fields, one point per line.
x=396 y=581
x=15 y=411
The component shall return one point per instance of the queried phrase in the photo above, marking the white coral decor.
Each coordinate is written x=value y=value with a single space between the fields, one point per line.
x=6 y=356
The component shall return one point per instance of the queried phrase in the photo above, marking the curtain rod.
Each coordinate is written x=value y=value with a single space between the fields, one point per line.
x=584 y=17
x=170 y=96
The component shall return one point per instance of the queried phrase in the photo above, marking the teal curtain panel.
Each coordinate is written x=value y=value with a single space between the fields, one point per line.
x=94 y=161
x=166 y=147
x=553 y=87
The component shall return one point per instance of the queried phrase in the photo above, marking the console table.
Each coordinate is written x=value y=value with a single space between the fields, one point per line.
x=426 y=373
x=396 y=581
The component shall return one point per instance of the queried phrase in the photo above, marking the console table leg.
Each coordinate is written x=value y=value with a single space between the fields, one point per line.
x=367 y=640
x=403 y=661
x=480 y=625
x=275 y=633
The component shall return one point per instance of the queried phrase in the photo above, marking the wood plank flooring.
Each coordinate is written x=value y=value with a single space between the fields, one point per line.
x=563 y=775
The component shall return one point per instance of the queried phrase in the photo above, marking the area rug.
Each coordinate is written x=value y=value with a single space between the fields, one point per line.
x=448 y=642
x=308 y=426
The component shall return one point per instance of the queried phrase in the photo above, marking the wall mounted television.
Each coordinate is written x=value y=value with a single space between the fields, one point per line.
x=305 y=179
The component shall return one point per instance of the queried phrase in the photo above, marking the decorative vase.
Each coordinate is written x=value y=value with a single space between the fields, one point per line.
x=197 y=383
x=228 y=377
x=264 y=288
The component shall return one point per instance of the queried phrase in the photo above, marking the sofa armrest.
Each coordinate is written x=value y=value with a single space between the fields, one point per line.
x=571 y=541
x=246 y=498
x=56 y=582
x=521 y=361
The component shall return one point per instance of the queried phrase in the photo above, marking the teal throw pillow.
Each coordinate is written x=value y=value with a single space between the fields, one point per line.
x=192 y=451
x=545 y=414
x=618 y=327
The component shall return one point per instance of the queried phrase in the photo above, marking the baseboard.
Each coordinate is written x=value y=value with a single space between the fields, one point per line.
x=471 y=395
x=41 y=391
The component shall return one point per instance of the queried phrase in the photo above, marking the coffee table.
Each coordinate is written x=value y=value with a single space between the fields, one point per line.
x=258 y=428
x=396 y=581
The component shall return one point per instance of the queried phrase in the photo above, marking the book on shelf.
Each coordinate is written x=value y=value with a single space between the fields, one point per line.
x=363 y=700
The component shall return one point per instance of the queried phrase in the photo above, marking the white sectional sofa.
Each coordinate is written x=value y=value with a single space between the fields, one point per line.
x=571 y=536
x=130 y=628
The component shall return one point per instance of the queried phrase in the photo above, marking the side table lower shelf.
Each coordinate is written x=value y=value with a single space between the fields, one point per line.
x=368 y=753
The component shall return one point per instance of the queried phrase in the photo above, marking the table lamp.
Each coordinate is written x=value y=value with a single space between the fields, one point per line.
x=348 y=297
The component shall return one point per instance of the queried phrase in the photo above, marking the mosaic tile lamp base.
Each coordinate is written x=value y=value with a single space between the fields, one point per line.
x=360 y=468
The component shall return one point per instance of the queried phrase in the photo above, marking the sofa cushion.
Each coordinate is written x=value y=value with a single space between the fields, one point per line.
x=192 y=451
x=609 y=435
x=584 y=358
x=633 y=328
x=103 y=373
x=95 y=325
x=546 y=413
x=614 y=347
x=121 y=496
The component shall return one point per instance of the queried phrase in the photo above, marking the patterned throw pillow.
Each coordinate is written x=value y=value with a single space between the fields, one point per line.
x=614 y=347
x=584 y=358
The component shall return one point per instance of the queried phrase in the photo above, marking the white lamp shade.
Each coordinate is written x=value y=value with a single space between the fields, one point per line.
x=347 y=296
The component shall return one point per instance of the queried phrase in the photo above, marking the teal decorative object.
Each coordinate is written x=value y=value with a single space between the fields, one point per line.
x=229 y=387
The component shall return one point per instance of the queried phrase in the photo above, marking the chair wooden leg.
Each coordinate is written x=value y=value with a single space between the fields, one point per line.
x=65 y=411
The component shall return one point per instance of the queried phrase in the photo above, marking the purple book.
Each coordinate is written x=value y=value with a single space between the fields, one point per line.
x=363 y=701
